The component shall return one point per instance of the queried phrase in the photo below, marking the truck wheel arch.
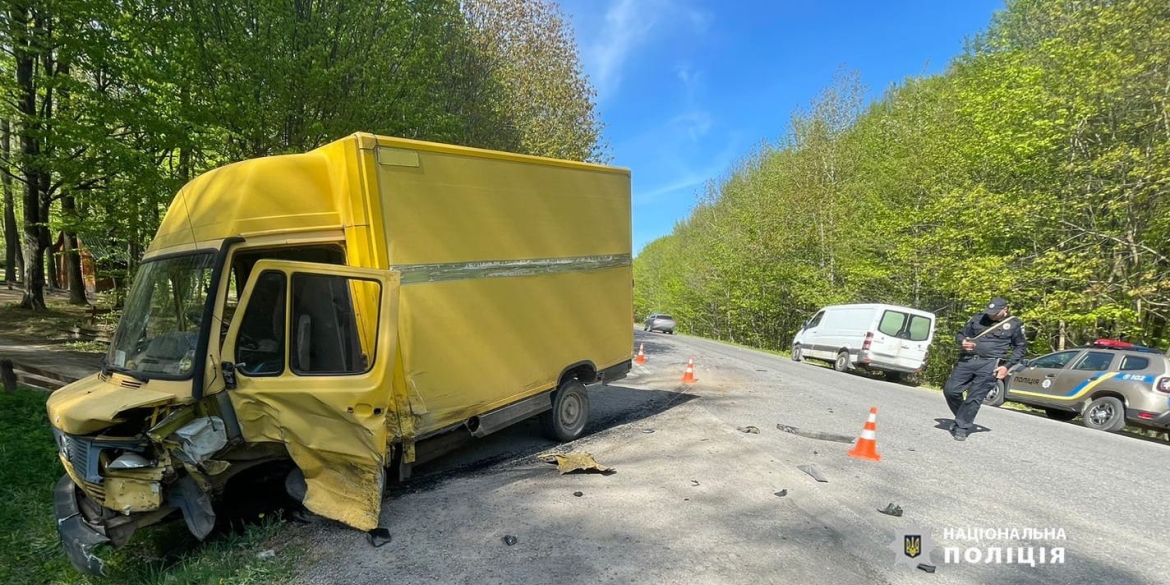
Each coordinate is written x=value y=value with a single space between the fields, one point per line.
x=584 y=371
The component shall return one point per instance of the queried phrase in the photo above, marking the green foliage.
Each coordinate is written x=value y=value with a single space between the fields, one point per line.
x=131 y=99
x=1036 y=168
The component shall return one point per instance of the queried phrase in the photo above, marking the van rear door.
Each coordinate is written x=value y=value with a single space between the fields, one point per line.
x=902 y=339
x=916 y=336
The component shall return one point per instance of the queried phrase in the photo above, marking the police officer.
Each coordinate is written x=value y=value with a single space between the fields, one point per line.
x=984 y=343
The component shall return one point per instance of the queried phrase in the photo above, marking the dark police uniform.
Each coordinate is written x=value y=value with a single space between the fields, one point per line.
x=975 y=369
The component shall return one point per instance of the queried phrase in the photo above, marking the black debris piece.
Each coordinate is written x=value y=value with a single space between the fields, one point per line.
x=821 y=436
x=926 y=567
x=782 y=493
x=509 y=539
x=578 y=494
x=693 y=482
x=749 y=429
x=378 y=536
x=892 y=510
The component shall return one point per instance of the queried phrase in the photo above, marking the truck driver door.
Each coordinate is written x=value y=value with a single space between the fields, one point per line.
x=312 y=352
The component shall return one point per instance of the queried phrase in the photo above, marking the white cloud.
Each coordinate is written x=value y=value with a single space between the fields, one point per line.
x=629 y=24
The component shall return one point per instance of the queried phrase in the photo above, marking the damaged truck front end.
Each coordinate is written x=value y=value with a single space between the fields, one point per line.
x=117 y=481
x=135 y=443
x=190 y=398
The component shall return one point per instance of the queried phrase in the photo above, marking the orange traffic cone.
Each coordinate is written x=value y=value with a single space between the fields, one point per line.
x=689 y=376
x=641 y=359
x=866 y=447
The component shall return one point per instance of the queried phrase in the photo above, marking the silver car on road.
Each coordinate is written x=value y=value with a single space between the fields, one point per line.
x=659 y=322
x=1108 y=384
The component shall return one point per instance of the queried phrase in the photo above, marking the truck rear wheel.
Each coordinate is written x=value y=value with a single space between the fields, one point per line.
x=570 y=411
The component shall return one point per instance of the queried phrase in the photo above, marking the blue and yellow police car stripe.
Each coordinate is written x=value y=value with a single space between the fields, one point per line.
x=1080 y=389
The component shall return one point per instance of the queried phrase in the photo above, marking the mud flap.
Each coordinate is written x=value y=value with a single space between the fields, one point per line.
x=78 y=537
x=195 y=505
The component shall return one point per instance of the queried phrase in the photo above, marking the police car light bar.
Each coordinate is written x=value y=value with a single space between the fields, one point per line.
x=1118 y=344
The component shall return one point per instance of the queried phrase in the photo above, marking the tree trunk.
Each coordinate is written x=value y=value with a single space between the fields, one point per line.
x=72 y=253
x=25 y=60
x=13 y=257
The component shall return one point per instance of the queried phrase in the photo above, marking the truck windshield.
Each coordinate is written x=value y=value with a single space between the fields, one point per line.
x=159 y=328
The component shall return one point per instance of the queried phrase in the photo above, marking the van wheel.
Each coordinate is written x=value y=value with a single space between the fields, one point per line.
x=1104 y=414
x=570 y=411
x=895 y=377
x=796 y=354
x=996 y=396
x=842 y=362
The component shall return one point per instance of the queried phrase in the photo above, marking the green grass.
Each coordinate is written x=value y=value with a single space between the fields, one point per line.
x=163 y=555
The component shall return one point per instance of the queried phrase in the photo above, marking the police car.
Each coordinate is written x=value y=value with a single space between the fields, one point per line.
x=1108 y=383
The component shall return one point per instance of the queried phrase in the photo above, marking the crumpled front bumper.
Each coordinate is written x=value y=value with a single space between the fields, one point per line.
x=78 y=537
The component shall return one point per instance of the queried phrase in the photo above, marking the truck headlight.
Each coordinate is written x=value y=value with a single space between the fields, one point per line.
x=129 y=461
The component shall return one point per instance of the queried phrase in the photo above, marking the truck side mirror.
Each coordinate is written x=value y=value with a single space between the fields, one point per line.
x=229 y=375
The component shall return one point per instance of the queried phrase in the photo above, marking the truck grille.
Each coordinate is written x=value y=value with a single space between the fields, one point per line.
x=80 y=454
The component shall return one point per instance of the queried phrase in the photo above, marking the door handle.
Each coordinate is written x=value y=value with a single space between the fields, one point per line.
x=1050 y=376
x=1094 y=378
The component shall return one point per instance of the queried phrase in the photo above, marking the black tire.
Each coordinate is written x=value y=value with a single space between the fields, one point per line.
x=997 y=395
x=841 y=364
x=671 y=331
x=1060 y=415
x=1104 y=414
x=797 y=356
x=570 y=412
x=895 y=377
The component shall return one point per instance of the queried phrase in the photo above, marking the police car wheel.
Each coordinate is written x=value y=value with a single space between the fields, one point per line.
x=996 y=396
x=1104 y=414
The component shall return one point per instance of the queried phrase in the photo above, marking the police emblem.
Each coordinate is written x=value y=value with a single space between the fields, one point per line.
x=913 y=546
x=1007 y=326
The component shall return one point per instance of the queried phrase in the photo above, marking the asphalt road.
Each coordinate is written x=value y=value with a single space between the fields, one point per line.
x=693 y=498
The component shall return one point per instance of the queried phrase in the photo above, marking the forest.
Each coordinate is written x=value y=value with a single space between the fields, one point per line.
x=109 y=106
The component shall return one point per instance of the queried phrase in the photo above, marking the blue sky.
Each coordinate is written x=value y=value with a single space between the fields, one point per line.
x=688 y=87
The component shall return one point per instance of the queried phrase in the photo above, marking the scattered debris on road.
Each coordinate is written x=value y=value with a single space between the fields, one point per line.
x=647 y=431
x=816 y=434
x=378 y=536
x=576 y=462
x=694 y=482
x=509 y=539
x=926 y=567
x=892 y=510
x=578 y=494
x=781 y=493
x=814 y=472
x=749 y=429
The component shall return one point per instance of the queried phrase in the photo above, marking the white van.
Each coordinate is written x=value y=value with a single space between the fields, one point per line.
x=887 y=338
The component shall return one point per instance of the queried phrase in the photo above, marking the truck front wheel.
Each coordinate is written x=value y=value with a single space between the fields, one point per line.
x=570 y=411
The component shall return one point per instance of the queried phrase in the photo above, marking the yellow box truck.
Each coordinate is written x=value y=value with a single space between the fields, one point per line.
x=342 y=309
